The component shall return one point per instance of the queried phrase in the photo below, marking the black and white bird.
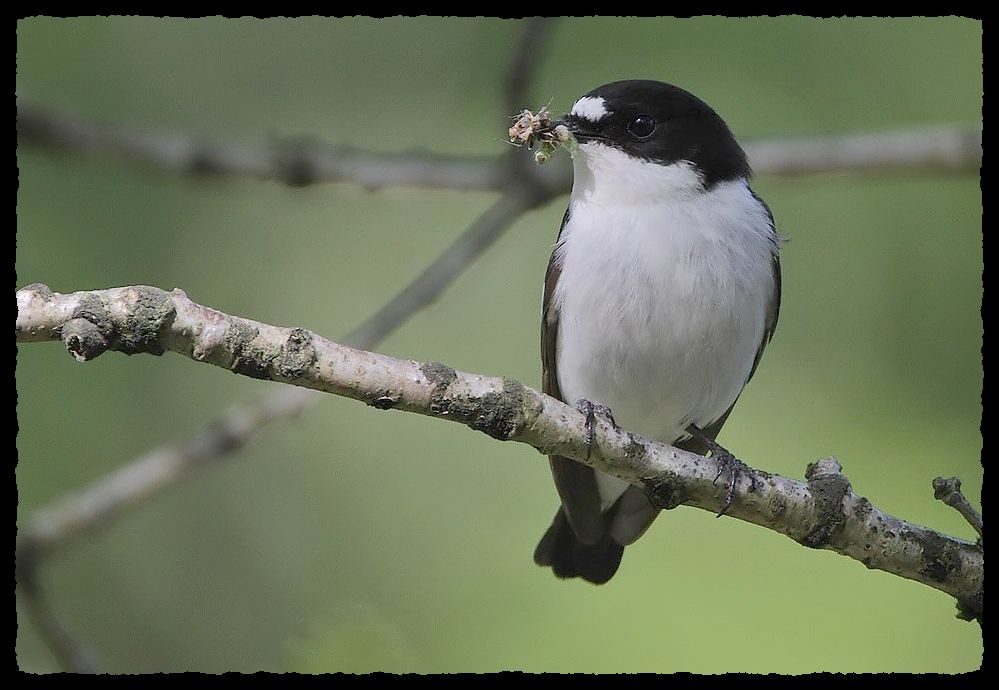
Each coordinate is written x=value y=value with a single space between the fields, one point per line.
x=661 y=293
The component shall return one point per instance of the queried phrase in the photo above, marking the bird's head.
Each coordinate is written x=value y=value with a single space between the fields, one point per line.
x=641 y=137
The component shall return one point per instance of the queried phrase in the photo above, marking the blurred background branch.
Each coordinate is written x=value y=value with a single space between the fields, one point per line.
x=65 y=645
x=307 y=161
x=296 y=162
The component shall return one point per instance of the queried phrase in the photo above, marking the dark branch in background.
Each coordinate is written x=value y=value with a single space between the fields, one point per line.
x=520 y=76
x=823 y=512
x=443 y=270
x=296 y=162
x=65 y=645
x=97 y=504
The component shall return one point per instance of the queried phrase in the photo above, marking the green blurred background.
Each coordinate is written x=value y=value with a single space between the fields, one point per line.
x=355 y=540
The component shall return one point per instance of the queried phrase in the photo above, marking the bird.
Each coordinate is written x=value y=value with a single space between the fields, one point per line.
x=661 y=293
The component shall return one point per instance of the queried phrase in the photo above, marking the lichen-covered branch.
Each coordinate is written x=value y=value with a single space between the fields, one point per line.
x=823 y=512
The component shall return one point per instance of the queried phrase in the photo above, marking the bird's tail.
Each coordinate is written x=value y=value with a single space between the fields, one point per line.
x=562 y=551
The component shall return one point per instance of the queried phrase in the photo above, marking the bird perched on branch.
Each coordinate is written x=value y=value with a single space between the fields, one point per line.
x=661 y=293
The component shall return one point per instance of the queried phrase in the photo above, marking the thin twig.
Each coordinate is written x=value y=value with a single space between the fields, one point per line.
x=949 y=491
x=97 y=504
x=823 y=512
x=443 y=270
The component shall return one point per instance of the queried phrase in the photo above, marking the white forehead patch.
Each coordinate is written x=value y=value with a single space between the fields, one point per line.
x=592 y=108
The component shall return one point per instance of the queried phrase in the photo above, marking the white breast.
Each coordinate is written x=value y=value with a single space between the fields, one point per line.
x=662 y=298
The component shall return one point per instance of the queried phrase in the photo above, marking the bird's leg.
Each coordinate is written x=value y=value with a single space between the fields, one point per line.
x=726 y=461
x=591 y=410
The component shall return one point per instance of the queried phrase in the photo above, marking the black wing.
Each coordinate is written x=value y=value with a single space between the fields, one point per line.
x=773 y=308
x=773 y=311
x=576 y=483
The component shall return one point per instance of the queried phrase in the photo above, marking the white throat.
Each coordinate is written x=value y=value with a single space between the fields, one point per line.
x=605 y=175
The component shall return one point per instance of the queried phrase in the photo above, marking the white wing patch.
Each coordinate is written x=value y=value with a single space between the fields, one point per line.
x=592 y=108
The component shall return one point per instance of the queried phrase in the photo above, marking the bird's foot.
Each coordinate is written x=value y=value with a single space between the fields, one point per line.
x=735 y=467
x=591 y=410
x=726 y=461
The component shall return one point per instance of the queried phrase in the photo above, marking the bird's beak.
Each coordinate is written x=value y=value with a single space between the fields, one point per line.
x=582 y=130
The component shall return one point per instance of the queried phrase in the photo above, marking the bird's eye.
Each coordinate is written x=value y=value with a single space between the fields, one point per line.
x=642 y=126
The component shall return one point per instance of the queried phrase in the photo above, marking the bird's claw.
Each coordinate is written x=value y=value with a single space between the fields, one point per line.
x=735 y=467
x=591 y=410
x=726 y=461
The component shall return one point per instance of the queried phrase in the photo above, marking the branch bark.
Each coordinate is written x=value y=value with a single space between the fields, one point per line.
x=949 y=491
x=823 y=512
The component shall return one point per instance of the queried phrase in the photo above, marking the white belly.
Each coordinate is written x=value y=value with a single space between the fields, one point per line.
x=662 y=308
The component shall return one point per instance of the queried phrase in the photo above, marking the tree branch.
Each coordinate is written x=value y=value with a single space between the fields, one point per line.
x=945 y=149
x=443 y=270
x=517 y=83
x=823 y=512
x=71 y=654
x=949 y=491
x=297 y=162
x=306 y=161
x=96 y=505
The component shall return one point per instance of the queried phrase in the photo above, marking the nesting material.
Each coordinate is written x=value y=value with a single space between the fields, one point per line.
x=531 y=128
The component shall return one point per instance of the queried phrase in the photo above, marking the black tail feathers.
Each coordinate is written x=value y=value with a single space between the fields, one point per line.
x=560 y=550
